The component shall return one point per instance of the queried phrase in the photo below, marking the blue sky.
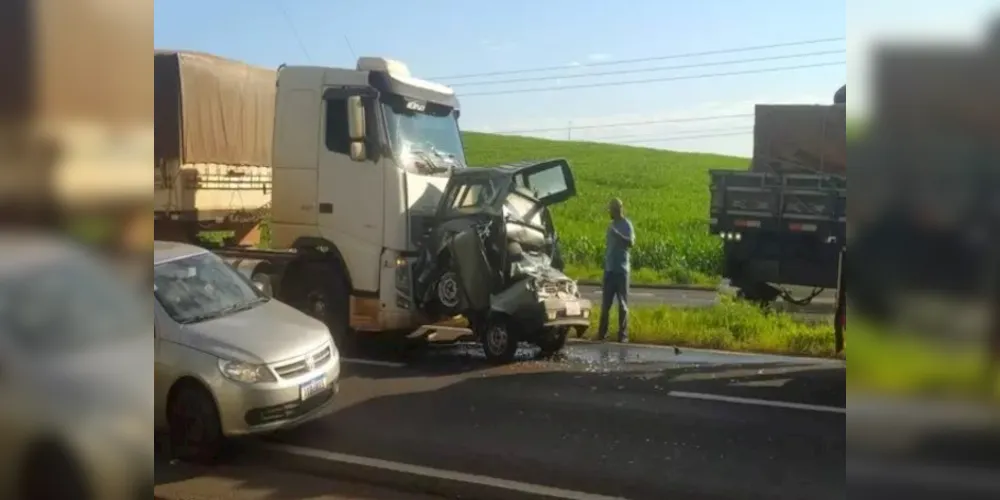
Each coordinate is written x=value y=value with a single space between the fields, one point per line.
x=440 y=38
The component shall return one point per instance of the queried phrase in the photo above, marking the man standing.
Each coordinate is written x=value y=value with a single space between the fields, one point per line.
x=619 y=240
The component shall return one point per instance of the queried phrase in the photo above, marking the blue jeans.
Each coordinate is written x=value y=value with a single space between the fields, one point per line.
x=615 y=285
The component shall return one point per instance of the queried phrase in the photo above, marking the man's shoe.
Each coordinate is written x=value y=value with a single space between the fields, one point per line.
x=623 y=340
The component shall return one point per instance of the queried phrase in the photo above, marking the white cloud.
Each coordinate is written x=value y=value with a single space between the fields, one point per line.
x=574 y=64
x=598 y=56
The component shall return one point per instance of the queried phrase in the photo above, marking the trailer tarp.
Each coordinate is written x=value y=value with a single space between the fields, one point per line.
x=212 y=110
x=791 y=138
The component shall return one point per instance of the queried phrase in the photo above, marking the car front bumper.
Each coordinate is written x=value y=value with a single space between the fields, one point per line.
x=253 y=409
x=573 y=312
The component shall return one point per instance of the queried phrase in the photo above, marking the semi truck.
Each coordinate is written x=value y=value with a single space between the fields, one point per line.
x=212 y=157
x=365 y=166
x=784 y=220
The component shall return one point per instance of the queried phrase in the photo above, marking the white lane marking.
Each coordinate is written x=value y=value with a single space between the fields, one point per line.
x=372 y=362
x=757 y=402
x=437 y=474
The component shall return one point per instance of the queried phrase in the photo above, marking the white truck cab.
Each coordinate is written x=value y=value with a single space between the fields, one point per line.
x=360 y=159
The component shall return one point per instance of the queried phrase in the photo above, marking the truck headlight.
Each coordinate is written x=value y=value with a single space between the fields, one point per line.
x=246 y=373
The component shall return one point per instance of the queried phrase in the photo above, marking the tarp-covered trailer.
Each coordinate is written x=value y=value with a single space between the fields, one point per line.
x=214 y=123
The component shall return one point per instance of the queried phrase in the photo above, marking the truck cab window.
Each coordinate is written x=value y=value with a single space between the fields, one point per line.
x=338 y=139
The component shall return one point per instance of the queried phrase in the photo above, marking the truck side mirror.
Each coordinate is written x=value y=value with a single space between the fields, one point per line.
x=356 y=118
x=356 y=127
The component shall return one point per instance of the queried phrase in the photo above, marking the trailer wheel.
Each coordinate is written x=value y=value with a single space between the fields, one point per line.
x=499 y=339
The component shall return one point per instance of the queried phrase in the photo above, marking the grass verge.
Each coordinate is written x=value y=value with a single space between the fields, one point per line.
x=730 y=325
x=903 y=364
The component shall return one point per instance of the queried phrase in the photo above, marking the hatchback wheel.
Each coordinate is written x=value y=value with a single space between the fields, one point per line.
x=195 y=431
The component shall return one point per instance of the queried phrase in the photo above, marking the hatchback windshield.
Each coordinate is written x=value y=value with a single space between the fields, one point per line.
x=202 y=287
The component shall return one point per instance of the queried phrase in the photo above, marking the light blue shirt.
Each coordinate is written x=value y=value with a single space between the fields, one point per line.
x=616 y=253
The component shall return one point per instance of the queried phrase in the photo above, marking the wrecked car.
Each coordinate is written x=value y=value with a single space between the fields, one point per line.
x=492 y=256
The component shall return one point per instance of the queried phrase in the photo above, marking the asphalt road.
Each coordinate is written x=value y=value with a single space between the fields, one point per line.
x=624 y=421
x=638 y=295
x=244 y=480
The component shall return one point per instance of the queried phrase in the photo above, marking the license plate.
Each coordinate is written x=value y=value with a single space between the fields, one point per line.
x=572 y=309
x=312 y=388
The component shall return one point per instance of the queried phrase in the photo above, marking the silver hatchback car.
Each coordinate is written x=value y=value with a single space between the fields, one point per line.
x=231 y=361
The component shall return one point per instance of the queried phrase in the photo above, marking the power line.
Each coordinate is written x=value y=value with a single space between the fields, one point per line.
x=626 y=124
x=647 y=59
x=645 y=138
x=291 y=26
x=650 y=70
x=687 y=137
x=656 y=80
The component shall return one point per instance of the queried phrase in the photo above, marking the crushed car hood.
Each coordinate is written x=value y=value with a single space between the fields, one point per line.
x=493 y=232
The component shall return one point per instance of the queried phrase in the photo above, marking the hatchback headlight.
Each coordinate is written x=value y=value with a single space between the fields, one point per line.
x=247 y=373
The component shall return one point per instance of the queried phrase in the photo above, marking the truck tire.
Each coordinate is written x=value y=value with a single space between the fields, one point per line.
x=552 y=340
x=761 y=294
x=263 y=282
x=326 y=297
x=499 y=340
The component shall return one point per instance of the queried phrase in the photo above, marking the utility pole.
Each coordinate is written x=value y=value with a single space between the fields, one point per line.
x=569 y=130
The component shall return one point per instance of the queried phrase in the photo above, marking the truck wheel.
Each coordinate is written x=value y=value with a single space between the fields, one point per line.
x=263 y=282
x=761 y=294
x=499 y=340
x=327 y=299
x=552 y=340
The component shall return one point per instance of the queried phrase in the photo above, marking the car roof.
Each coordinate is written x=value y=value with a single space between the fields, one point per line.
x=504 y=169
x=165 y=251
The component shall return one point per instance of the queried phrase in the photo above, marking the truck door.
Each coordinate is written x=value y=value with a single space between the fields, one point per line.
x=350 y=198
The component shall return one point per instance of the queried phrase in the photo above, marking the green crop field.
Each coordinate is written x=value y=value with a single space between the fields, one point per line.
x=665 y=193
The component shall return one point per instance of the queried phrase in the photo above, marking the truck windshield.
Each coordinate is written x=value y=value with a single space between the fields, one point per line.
x=424 y=137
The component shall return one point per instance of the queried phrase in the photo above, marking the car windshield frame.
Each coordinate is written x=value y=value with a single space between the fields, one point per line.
x=454 y=201
x=423 y=132
x=218 y=298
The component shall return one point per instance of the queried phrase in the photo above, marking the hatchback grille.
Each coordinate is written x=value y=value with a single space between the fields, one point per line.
x=300 y=366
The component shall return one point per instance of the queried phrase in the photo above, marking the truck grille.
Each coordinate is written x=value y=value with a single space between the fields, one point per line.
x=301 y=366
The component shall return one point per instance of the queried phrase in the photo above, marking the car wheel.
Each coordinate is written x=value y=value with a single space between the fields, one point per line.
x=552 y=340
x=195 y=430
x=448 y=291
x=499 y=341
x=50 y=473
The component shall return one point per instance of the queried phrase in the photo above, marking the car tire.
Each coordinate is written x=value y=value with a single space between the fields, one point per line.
x=194 y=427
x=552 y=340
x=499 y=340
x=50 y=473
